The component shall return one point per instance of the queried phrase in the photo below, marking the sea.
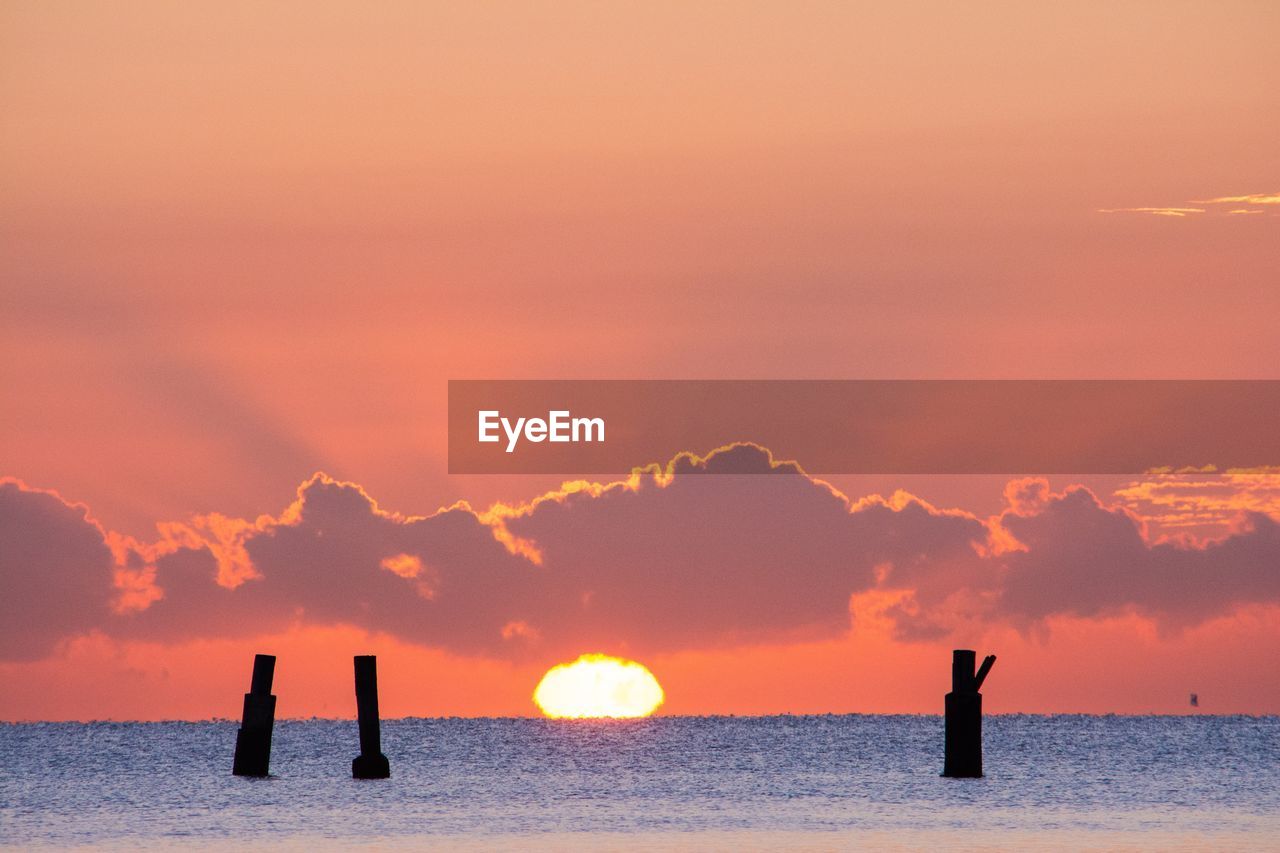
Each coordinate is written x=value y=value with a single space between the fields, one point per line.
x=838 y=782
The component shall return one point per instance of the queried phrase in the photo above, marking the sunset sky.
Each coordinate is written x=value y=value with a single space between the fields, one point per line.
x=244 y=243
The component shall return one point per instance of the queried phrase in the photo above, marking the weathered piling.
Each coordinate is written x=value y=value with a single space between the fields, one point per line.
x=963 y=756
x=370 y=763
x=253 y=740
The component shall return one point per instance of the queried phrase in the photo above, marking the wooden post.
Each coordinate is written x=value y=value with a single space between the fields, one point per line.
x=370 y=763
x=963 y=735
x=253 y=740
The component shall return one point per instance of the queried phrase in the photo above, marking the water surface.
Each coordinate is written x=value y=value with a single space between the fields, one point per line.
x=804 y=782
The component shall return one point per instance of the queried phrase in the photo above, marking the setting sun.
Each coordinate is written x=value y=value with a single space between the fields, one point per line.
x=598 y=686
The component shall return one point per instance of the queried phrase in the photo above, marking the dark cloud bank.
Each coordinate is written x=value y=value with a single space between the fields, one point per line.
x=668 y=561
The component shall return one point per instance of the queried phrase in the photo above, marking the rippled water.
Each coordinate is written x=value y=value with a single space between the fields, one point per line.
x=720 y=782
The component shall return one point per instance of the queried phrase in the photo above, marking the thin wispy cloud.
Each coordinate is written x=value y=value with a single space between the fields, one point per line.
x=1256 y=202
x=1254 y=198
x=1155 y=211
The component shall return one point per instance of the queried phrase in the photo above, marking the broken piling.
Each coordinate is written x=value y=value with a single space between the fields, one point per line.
x=253 y=740
x=963 y=737
x=370 y=763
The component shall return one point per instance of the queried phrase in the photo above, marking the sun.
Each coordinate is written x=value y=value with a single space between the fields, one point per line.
x=598 y=686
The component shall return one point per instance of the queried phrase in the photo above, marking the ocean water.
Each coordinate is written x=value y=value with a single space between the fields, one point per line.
x=724 y=783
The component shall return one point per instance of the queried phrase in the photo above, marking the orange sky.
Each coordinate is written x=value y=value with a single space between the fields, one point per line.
x=241 y=243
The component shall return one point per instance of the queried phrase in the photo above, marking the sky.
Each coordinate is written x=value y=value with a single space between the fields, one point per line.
x=242 y=244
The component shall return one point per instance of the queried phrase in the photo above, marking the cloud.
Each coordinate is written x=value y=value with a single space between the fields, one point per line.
x=662 y=561
x=1202 y=504
x=1081 y=558
x=1155 y=211
x=659 y=562
x=1257 y=200
x=57 y=572
x=1253 y=198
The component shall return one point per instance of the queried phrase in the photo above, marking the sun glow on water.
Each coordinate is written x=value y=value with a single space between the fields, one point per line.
x=598 y=686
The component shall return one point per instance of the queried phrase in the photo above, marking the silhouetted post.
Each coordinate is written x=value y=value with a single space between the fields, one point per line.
x=370 y=763
x=253 y=741
x=963 y=757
